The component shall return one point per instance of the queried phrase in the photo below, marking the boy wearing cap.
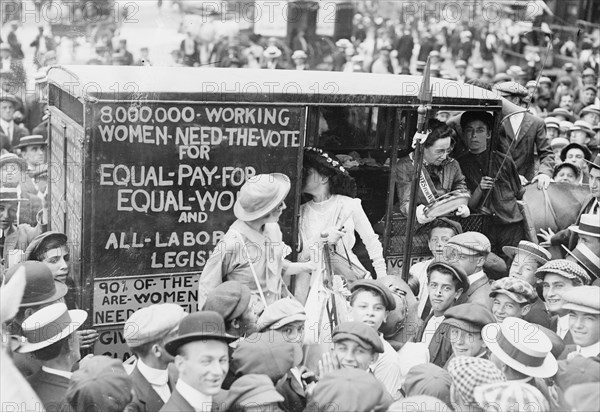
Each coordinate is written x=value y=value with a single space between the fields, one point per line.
x=583 y=307
x=233 y=300
x=200 y=348
x=468 y=251
x=445 y=283
x=511 y=297
x=467 y=374
x=13 y=174
x=370 y=303
x=527 y=258
x=465 y=324
x=440 y=231
x=557 y=277
x=51 y=338
x=145 y=333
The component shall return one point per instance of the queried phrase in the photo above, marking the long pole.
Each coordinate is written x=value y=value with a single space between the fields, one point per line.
x=425 y=98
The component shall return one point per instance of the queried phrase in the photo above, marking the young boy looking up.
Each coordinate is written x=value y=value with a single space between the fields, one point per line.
x=370 y=303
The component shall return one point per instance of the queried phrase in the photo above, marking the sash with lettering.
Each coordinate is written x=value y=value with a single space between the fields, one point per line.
x=426 y=184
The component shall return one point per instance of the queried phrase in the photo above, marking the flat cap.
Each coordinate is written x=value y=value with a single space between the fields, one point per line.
x=469 y=317
x=469 y=372
x=152 y=323
x=460 y=63
x=348 y=390
x=577 y=370
x=470 y=243
x=378 y=287
x=545 y=79
x=450 y=263
x=564 y=268
x=515 y=288
x=582 y=299
x=252 y=390
x=511 y=89
x=280 y=313
x=230 y=299
x=100 y=384
x=428 y=379
x=551 y=121
x=560 y=111
x=269 y=353
x=510 y=396
x=360 y=333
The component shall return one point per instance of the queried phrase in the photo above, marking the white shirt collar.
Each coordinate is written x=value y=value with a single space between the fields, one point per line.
x=158 y=377
x=475 y=277
x=58 y=372
x=198 y=400
x=589 y=351
x=562 y=326
x=6 y=125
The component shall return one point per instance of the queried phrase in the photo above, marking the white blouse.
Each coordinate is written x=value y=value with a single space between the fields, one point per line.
x=338 y=210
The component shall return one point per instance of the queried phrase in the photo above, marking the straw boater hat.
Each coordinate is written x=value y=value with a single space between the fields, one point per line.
x=7 y=97
x=34 y=139
x=11 y=158
x=590 y=109
x=583 y=125
x=10 y=194
x=552 y=122
x=589 y=225
x=540 y=254
x=586 y=258
x=49 y=325
x=521 y=346
x=260 y=195
x=559 y=111
x=558 y=143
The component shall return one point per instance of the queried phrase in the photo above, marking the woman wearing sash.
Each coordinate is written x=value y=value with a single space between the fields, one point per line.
x=440 y=173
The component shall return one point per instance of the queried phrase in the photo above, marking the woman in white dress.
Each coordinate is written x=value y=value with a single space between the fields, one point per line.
x=333 y=210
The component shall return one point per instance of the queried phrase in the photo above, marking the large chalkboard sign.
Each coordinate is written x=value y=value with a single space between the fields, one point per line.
x=166 y=179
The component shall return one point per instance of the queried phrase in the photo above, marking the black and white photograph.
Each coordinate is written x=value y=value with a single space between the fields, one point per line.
x=300 y=205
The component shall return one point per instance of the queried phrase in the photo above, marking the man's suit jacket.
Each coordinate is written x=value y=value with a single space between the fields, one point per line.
x=146 y=398
x=20 y=237
x=532 y=135
x=51 y=389
x=177 y=403
x=18 y=133
x=479 y=292
x=565 y=236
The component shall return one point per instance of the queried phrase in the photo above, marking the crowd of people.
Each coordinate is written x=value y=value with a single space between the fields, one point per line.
x=491 y=319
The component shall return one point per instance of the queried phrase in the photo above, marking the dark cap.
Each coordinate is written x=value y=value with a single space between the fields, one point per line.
x=360 y=333
x=253 y=390
x=205 y=325
x=269 y=353
x=577 y=370
x=456 y=271
x=40 y=286
x=428 y=379
x=32 y=251
x=100 y=384
x=470 y=317
x=229 y=299
x=378 y=287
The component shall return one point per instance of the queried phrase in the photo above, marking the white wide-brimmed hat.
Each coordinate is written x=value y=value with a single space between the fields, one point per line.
x=260 y=195
x=589 y=225
x=49 y=325
x=522 y=346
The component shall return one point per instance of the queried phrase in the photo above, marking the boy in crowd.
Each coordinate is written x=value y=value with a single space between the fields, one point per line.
x=511 y=297
x=527 y=258
x=469 y=252
x=440 y=231
x=557 y=277
x=370 y=303
x=446 y=283
x=465 y=324
x=583 y=307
